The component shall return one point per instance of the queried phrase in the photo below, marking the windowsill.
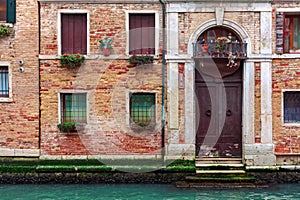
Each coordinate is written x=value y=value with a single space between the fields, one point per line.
x=291 y=124
x=6 y=100
x=94 y=57
x=287 y=55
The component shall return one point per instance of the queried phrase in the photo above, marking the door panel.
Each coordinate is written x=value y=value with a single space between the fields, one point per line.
x=219 y=132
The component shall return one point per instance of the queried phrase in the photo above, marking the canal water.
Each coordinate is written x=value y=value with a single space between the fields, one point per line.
x=143 y=192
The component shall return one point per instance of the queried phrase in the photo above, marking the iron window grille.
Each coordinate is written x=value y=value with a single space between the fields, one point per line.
x=4 y=81
x=74 y=107
x=142 y=109
x=291 y=107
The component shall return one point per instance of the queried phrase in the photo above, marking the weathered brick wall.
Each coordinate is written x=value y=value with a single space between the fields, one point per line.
x=190 y=22
x=19 y=119
x=257 y=126
x=286 y=75
x=108 y=83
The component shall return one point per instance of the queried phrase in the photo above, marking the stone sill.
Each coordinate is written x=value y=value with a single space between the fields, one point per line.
x=5 y=152
x=92 y=57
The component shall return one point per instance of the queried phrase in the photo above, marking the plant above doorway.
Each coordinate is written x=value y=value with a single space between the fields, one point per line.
x=71 y=60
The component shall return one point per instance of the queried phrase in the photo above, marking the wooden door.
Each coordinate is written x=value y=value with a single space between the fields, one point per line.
x=219 y=115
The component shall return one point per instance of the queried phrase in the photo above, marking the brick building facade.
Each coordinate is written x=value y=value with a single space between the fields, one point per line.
x=119 y=109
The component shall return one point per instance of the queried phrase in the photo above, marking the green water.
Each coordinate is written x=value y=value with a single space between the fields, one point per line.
x=142 y=192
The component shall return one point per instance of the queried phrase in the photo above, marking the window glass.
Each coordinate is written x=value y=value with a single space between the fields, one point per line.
x=142 y=108
x=4 y=81
x=141 y=33
x=2 y=10
x=74 y=107
x=291 y=107
x=292 y=34
x=74 y=33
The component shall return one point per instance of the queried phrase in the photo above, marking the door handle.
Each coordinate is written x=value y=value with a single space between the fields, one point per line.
x=208 y=113
x=228 y=113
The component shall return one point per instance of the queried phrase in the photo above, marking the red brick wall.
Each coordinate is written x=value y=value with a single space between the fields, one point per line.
x=19 y=119
x=108 y=81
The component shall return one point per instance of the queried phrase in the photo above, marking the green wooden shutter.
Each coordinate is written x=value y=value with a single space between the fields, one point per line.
x=10 y=11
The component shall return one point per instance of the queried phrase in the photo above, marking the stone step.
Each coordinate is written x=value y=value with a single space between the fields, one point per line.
x=186 y=184
x=215 y=165
x=198 y=171
x=237 y=178
x=219 y=160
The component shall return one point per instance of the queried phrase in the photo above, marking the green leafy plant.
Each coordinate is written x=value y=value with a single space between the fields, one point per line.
x=67 y=127
x=106 y=43
x=71 y=60
x=140 y=60
x=5 y=30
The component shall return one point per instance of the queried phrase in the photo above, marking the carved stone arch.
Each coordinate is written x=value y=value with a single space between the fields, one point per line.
x=226 y=23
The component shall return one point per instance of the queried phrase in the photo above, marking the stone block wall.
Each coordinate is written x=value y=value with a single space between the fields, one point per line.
x=108 y=82
x=19 y=117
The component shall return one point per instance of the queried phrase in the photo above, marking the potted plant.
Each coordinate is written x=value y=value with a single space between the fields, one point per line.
x=4 y=30
x=140 y=60
x=71 y=60
x=221 y=43
x=67 y=127
x=105 y=45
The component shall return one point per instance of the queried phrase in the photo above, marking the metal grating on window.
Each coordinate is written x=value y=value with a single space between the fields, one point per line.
x=142 y=108
x=291 y=107
x=4 y=91
x=74 y=108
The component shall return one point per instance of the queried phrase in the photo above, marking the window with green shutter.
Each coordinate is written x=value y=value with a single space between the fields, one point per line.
x=8 y=11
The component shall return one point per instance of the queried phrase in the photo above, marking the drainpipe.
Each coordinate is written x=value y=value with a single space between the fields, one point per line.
x=163 y=4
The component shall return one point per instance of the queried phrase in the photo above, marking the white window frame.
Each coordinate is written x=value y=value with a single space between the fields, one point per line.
x=288 y=10
x=59 y=45
x=73 y=92
x=282 y=107
x=127 y=13
x=9 y=98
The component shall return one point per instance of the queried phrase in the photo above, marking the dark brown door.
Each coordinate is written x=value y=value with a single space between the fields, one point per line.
x=219 y=115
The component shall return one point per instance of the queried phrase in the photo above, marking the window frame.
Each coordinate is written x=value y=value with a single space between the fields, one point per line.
x=129 y=122
x=289 y=12
x=10 y=12
x=60 y=93
x=127 y=13
x=59 y=39
x=282 y=108
x=9 y=98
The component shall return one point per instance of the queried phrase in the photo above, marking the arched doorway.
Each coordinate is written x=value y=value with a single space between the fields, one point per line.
x=219 y=54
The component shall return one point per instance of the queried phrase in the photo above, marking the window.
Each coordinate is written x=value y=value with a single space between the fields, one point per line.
x=288 y=32
x=74 y=33
x=142 y=108
x=73 y=107
x=4 y=81
x=141 y=33
x=8 y=11
x=291 y=106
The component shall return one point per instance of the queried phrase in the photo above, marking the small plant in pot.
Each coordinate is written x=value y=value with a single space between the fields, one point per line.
x=105 y=45
x=5 y=30
x=67 y=127
x=71 y=60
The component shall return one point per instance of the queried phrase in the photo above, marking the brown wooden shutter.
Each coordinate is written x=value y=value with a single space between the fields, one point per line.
x=74 y=33
x=279 y=32
x=142 y=34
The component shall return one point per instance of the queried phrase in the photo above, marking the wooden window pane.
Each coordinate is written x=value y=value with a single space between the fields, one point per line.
x=142 y=33
x=74 y=33
x=291 y=107
x=2 y=10
x=4 y=80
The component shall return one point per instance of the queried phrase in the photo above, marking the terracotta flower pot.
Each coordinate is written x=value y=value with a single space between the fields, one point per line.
x=106 y=51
